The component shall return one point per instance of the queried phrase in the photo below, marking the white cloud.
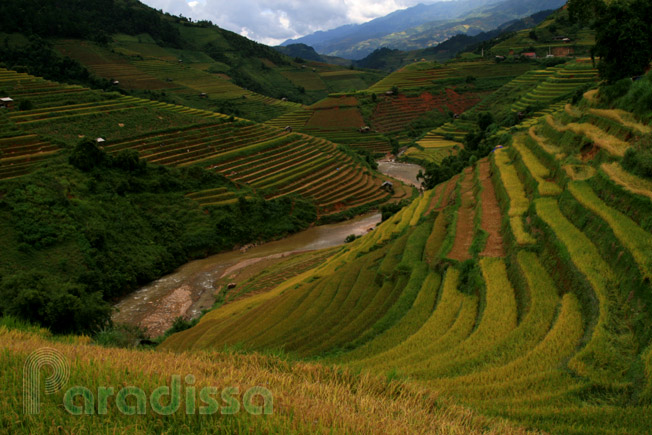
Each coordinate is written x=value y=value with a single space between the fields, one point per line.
x=274 y=21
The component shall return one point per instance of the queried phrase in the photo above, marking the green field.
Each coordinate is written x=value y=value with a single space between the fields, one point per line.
x=537 y=335
x=512 y=297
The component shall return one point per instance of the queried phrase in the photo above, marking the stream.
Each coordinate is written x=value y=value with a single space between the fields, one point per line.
x=193 y=287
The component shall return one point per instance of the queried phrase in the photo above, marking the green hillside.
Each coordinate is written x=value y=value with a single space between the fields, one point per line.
x=153 y=55
x=122 y=190
x=520 y=288
x=548 y=38
x=511 y=294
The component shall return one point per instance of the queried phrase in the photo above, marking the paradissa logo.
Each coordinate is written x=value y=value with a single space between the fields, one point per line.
x=164 y=400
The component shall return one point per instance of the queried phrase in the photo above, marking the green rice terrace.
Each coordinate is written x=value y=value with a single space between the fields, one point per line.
x=520 y=288
x=454 y=248
x=269 y=160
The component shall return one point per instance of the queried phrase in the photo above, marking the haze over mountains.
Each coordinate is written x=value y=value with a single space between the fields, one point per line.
x=422 y=26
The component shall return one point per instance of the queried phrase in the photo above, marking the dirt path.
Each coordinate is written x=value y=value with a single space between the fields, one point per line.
x=465 y=218
x=491 y=216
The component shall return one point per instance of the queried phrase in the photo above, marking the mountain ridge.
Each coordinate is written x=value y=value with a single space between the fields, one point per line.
x=421 y=26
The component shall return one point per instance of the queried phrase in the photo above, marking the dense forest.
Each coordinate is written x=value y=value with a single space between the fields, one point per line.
x=85 y=19
x=623 y=38
x=78 y=234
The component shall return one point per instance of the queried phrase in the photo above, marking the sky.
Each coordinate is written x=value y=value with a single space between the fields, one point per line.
x=274 y=21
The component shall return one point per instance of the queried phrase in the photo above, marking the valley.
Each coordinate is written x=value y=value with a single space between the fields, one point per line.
x=456 y=246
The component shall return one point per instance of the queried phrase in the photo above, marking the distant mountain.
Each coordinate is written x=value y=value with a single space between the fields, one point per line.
x=330 y=41
x=459 y=43
x=100 y=20
x=422 y=26
x=387 y=59
x=302 y=51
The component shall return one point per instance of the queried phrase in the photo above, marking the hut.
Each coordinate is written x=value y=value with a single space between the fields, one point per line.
x=388 y=186
x=6 y=103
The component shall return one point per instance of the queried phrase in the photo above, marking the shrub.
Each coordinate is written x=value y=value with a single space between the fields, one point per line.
x=87 y=155
x=350 y=238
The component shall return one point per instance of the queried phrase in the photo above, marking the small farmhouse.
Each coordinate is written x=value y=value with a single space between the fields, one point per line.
x=388 y=186
x=6 y=103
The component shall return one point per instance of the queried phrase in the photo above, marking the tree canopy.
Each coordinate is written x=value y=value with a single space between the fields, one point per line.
x=623 y=39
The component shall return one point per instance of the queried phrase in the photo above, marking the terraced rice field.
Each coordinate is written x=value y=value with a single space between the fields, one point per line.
x=464 y=219
x=393 y=114
x=19 y=155
x=559 y=82
x=432 y=155
x=435 y=148
x=336 y=118
x=295 y=119
x=310 y=81
x=374 y=142
x=268 y=159
x=413 y=76
x=110 y=66
x=535 y=336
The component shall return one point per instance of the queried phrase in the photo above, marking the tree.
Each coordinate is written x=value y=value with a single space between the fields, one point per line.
x=87 y=155
x=396 y=147
x=623 y=41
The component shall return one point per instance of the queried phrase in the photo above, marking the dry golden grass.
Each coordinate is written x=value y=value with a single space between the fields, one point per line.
x=624 y=118
x=438 y=141
x=547 y=147
x=307 y=397
x=538 y=171
x=572 y=111
x=627 y=180
x=609 y=143
x=591 y=96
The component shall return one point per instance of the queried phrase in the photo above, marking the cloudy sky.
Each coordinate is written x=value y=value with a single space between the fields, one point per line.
x=273 y=21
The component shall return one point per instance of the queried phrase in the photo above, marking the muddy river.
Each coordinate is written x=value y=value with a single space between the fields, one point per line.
x=406 y=172
x=193 y=287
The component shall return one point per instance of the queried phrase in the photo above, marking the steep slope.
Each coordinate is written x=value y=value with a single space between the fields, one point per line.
x=557 y=35
x=521 y=101
x=520 y=287
x=137 y=49
x=403 y=106
x=272 y=161
x=295 y=397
